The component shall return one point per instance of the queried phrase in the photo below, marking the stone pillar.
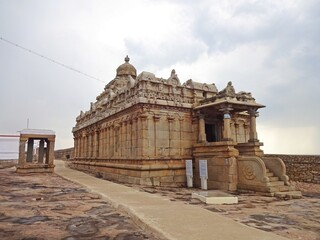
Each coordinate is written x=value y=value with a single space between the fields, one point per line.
x=85 y=145
x=100 y=142
x=108 y=146
x=226 y=126
x=236 y=130
x=130 y=138
x=202 y=132
x=180 y=136
x=22 y=155
x=30 y=149
x=97 y=142
x=91 y=143
x=41 y=151
x=253 y=129
x=143 y=136
x=50 y=150
x=156 y=118
x=78 y=146
x=171 y=134
x=136 y=137
x=75 y=146
x=116 y=139
x=125 y=138
x=112 y=141
x=82 y=145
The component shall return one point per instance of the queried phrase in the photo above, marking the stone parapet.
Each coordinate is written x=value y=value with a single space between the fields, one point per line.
x=303 y=168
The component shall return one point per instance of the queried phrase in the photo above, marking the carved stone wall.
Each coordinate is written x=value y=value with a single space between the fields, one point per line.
x=303 y=168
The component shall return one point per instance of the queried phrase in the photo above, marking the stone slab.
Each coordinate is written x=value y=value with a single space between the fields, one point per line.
x=215 y=197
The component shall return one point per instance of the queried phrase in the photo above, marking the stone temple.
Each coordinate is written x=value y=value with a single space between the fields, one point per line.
x=141 y=129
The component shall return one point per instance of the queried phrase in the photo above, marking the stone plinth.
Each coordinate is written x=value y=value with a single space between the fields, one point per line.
x=222 y=164
x=152 y=172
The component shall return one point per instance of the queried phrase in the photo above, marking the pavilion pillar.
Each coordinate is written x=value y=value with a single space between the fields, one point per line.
x=41 y=151
x=202 y=133
x=226 y=126
x=30 y=149
x=253 y=136
x=22 y=156
x=50 y=152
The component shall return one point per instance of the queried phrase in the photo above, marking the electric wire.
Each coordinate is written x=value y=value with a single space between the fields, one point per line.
x=50 y=59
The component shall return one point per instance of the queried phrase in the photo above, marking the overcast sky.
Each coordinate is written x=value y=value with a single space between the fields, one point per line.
x=270 y=48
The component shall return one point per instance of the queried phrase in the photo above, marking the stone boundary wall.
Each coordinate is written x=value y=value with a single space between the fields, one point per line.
x=8 y=163
x=66 y=153
x=302 y=168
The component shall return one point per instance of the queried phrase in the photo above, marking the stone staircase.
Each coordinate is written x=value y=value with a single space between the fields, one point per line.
x=277 y=188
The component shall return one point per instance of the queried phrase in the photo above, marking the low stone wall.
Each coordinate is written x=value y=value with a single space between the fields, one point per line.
x=303 y=168
x=8 y=163
x=66 y=153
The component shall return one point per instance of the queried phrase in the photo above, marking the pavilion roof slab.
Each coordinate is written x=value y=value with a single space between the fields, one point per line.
x=230 y=103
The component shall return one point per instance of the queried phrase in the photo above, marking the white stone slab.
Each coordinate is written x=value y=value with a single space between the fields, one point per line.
x=215 y=197
x=37 y=131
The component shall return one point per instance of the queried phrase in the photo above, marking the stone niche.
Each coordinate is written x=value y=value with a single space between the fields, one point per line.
x=36 y=159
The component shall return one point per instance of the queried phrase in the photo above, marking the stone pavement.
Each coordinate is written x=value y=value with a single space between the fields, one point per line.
x=167 y=219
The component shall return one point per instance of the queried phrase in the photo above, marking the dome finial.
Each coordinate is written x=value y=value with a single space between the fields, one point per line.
x=127 y=59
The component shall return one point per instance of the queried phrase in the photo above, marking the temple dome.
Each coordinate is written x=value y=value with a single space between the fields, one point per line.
x=126 y=69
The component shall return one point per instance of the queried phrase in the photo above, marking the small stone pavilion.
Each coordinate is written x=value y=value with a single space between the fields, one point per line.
x=141 y=129
x=32 y=161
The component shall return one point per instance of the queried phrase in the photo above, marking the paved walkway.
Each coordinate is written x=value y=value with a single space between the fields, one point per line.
x=169 y=220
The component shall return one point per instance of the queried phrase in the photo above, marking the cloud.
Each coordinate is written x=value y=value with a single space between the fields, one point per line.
x=269 y=48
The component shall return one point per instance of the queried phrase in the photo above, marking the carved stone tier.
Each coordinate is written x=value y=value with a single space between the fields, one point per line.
x=250 y=149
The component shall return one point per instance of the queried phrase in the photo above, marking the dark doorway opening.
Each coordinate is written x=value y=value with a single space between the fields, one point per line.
x=211 y=132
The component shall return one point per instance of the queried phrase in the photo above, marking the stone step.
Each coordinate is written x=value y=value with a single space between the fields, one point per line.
x=268 y=170
x=273 y=179
x=284 y=188
x=270 y=174
x=290 y=194
x=276 y=183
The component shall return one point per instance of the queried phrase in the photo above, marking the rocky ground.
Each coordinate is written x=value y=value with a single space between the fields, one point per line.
x=46 y=206
x=291 y=218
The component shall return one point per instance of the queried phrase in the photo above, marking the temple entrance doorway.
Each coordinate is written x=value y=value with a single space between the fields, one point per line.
x=211 y=132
